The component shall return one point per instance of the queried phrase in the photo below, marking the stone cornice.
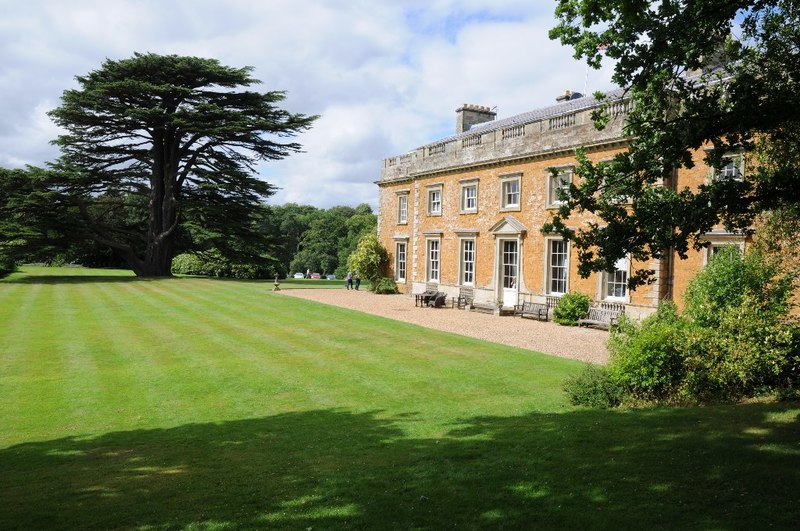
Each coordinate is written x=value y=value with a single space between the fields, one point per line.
x=619 y=143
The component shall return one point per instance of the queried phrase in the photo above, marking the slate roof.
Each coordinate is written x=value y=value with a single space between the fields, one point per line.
x=566 y=107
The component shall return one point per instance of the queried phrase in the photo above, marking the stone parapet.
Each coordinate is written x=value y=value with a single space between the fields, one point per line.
x=506 y=143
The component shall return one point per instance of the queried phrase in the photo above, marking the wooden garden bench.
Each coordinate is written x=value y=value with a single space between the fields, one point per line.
x=603 y=315
x=535 y=310
x=464 y=299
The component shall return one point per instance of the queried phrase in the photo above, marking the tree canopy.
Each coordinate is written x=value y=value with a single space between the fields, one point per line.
x=162 y=151
x=324 y=239
x=723 y=76
x=370 y=259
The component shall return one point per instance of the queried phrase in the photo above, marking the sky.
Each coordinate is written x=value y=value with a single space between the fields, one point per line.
x=385 y=76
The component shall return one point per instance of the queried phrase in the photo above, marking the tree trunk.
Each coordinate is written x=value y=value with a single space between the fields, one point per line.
x=158 y=261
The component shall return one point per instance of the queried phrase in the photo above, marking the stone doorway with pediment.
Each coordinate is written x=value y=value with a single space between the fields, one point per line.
x=509 y=234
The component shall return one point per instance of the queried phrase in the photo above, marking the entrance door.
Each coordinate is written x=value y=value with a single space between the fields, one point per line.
x=509 y=271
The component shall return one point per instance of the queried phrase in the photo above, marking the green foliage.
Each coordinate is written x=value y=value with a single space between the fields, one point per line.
x=7 y=267
x=571 y=307
x=646 y=359
x=716 y=288
x=201 y=404
x=735 y=339
x=318 y=239
x=385 y=286
x=160 y=152
x=319 y=247
x=361 y=223
x=34 y=225
x=731 y=277
x=214 y=264
x=370 y=259
x=776 y=237
x=189 y=264
x=692 y=82
x=594 y=388
x=285 y=225
x=748 y=352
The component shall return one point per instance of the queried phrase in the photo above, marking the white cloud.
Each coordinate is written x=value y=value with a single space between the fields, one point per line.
x=386 y=76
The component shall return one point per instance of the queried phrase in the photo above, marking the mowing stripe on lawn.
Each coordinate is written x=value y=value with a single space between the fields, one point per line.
x=285 y=354
x=194 y=403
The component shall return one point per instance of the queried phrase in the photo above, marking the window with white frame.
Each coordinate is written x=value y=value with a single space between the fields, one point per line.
x=435 y=201
x=402 y=208
x=400 y=261
x=732 y=168
x=714 y=249
x=469 y=197
x=557 y=266
x=616 y=281
x=558 y=183
x=510 y=263
x=510 y=192
x=433 y=261
x=467 y=262
x=722 y=242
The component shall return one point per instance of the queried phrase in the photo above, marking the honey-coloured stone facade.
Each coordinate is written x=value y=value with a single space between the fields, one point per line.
x=489 y=237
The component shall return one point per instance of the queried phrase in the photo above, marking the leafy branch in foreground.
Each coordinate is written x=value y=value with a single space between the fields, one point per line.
x=702 y=74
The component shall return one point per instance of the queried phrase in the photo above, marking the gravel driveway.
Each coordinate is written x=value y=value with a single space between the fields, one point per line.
x=583 y=344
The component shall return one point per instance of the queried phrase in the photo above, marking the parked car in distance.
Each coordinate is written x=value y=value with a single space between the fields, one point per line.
x=331 y=277
x=315 y=276
x=299 y=275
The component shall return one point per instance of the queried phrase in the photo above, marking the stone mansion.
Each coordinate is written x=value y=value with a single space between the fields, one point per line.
x=467 y=210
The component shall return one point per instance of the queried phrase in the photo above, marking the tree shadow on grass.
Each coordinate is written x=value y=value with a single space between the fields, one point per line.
x=727 y=467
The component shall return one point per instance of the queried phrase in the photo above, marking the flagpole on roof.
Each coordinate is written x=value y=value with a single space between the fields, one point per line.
x=586 y=80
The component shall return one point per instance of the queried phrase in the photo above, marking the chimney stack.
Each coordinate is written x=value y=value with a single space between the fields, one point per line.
x=468 y=115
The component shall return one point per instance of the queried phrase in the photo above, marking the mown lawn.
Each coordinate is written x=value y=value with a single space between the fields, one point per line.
x=198 y=403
